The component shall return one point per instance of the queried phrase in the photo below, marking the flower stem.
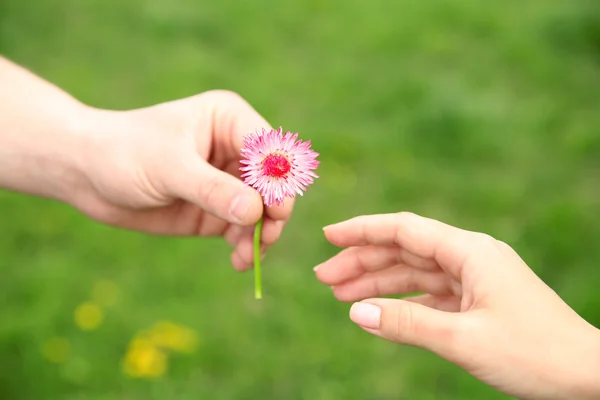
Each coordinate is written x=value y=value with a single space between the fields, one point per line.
x=257 y=276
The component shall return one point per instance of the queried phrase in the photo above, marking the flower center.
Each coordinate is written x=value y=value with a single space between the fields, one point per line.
x=276 y=165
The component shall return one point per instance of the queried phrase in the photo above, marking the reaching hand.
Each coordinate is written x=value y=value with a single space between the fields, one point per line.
x=483 y=309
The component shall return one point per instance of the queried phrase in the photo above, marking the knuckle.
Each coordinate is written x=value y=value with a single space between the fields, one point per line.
x=476 y=244
x=504 y=246
x=224 y=96
x=225 y=108
x=405 y=216
x=484 y=238
x=404 y=328
x=484 y=241
x=413 y=281
x=376 y=287
x=356 y=258
x=487 y=243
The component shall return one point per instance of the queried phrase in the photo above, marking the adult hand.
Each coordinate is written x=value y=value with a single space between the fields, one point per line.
x=170 y=169
x=173 y=169
x=483 y=309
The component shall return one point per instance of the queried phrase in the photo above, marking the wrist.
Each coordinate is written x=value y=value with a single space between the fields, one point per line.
x=43 y=155
x=594 y=371
x=585 y=374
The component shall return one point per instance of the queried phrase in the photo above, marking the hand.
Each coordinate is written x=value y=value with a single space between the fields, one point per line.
x=170 y=169
x=173 y=169
x=483 y=308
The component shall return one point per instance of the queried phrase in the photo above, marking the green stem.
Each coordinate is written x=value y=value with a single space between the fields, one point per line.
x=257 y=277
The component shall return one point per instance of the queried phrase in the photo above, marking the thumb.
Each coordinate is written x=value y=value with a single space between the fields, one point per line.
x=407 y=323
x=216 y=192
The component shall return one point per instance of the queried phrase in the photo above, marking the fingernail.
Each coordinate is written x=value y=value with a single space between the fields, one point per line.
x=316 y=268
x=240 y=206
x=366 y=315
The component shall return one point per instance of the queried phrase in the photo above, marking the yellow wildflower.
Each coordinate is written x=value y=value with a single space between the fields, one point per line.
x=169 y=335
x=146 y=356
x=144 y=361
x=88 y=316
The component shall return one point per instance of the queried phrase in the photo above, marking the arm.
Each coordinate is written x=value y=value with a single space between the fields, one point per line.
x=168 y=169
x=40 y=135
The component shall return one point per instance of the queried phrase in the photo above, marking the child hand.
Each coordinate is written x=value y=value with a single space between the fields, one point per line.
x=483 y=309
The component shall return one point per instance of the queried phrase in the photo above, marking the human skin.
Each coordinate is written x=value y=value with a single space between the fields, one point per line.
x=483 y=308
x=166 y=169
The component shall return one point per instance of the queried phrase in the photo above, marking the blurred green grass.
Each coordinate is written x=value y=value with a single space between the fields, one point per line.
x=482 y=114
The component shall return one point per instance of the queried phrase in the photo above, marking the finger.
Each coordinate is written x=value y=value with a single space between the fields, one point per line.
x=173 y=220
x=242 y=238
x=245 y=251
x=281 y=213
x=210 y=225
x=423 y=237
x=442 y=303
x=356 y=261
x=214 y=191
x=395 y=280
x=408 y=323
x=271 y=231
x=233 y=234
x=233 y=169
x=238 y=263
x=233 y=118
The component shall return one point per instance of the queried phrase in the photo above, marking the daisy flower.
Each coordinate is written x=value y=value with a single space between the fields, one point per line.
x=278 y=165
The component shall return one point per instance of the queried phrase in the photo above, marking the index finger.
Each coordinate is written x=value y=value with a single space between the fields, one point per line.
x=449 y=246
x=233 y=118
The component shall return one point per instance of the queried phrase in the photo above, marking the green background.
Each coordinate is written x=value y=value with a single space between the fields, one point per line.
x=484 y=114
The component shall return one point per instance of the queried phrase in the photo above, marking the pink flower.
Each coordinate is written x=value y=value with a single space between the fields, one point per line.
x=277 y=165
